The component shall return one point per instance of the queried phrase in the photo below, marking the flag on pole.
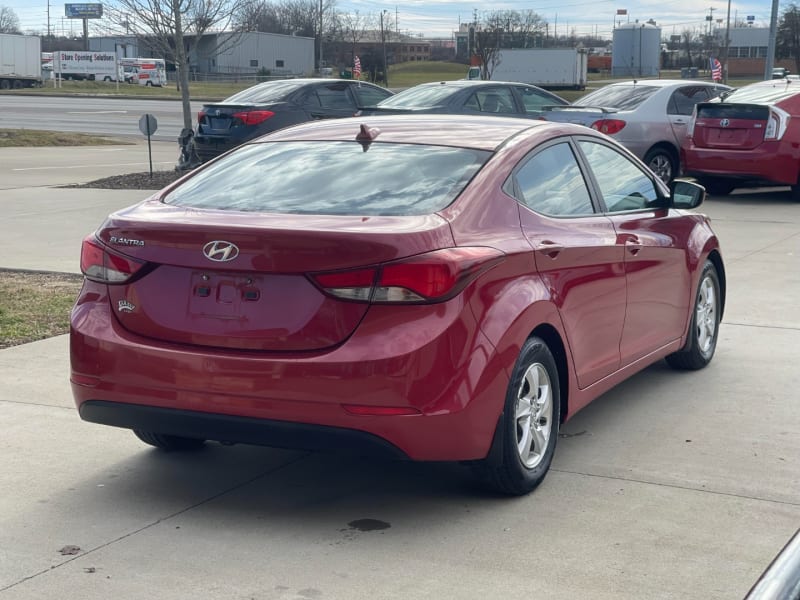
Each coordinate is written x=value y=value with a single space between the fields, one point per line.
x=356 y=68
x=716 y=69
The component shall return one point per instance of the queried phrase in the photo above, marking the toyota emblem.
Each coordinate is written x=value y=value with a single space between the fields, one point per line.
x=220 y=251
x=724 y=122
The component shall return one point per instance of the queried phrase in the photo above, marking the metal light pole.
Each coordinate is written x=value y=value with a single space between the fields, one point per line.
x=383 y=43
x=320 y=36
x=727 y=45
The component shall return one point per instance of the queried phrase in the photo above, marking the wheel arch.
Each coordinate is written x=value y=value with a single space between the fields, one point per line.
x=716 y=259
x=669 y=147
x=550 y=336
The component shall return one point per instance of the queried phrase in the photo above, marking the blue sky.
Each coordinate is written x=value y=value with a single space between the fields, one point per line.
x=438 y=18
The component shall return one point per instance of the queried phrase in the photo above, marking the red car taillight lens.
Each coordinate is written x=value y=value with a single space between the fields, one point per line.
x=608 y=126
x=253 y=117
x=100 y=264
x=777 y=123
x=432 y=277
x=200 y=116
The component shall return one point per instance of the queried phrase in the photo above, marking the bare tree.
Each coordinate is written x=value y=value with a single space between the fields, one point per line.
x=505 y=29
x=9 y=23
x=354 y=27
x=788 y=35
x=175 y=28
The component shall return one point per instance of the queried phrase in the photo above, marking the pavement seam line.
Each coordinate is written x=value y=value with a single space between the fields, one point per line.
x=767 y=247
x=679 y=487
x=37 y=404
x=159 y=521
x=760 y=326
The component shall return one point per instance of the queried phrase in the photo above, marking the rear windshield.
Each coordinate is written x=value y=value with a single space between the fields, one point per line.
x=419 y=97
x=764 y=93
x=264 y=92
x=623 y=97
x=733 y=111
x=333 y=178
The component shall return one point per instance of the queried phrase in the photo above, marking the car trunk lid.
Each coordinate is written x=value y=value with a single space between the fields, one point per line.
x=240 y=280
x=719 y=125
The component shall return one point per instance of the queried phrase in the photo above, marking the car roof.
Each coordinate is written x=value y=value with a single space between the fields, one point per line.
x=665 y=82
x=465 y=131
x=464 y=83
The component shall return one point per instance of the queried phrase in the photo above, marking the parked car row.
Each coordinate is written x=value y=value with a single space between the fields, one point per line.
x=724 y=137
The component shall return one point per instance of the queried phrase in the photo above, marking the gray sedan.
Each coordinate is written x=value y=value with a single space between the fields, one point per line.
x=648 y=117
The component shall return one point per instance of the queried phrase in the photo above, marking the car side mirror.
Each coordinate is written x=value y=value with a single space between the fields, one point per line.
x=686 y=194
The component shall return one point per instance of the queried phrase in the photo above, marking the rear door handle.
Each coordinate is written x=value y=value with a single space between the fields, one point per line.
x=548 y=248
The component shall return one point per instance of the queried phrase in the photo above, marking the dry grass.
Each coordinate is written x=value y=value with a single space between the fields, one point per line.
x=34 y=306
x=35 y=138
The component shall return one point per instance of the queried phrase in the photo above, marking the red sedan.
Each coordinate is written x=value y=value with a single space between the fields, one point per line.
x=751 y=137
x=427 y=287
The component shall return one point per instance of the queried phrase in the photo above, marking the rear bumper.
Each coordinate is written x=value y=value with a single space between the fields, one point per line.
x=208 y=147
x=227 y=428
x=438 y=362
x=769 y=163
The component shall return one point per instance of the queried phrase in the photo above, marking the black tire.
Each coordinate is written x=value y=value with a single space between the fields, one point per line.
x=169 y=443
x=704 y=328
x=662 y=162
x=148 y=84
x=529 y=424
x=17 y=85
x=5 y=84
x=718 y=187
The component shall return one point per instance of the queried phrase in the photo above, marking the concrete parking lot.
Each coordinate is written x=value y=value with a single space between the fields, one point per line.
x=673 y=485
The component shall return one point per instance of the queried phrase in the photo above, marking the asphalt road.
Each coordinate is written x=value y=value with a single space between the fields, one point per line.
x=672 y=485
x=108 y=116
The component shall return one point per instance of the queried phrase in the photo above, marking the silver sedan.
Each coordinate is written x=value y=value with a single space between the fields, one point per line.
x=648 y=117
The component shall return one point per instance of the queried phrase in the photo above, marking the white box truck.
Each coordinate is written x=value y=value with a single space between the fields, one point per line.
x=553 y=68
x=20 y=61
x=95 y=66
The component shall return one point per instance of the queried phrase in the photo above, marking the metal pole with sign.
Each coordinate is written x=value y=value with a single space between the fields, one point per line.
x=148 y=125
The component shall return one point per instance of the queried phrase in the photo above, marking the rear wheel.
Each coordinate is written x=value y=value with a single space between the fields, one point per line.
x=168 y=442
x=716 y=186
x=5 y=84
x=18 y=85
x=662 y=162
x=149 y=84
x=529 y=423
x=704 y=328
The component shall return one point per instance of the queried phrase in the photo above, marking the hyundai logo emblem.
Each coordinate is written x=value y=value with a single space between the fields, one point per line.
x=220 y=251
x=724 y=122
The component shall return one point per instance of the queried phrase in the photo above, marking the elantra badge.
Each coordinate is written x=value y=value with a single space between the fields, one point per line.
x=220 y=251
x=724 y=122
x=125 y=306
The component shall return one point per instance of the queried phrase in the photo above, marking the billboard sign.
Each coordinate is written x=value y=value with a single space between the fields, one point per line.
x=83 y=11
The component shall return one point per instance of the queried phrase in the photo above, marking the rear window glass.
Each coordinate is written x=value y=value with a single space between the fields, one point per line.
x=419 y=97
x=623 y=97
x=733 y=111
x=264 y=92
x=333 y=178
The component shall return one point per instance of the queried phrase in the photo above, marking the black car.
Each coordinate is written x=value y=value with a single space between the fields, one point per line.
x=503 y=99
x=274 y=105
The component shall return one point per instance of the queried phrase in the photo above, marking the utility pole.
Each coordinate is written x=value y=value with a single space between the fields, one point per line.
x=320 y=35
x=383 y=43
x=727 y=45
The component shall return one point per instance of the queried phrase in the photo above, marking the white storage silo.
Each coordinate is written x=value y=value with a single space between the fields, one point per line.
x=637 y=50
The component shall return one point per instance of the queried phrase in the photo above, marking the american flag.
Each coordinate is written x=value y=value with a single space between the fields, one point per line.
x=356 y=68
x=716 y=70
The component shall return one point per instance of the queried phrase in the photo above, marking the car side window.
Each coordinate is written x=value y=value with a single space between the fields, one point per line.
x=369 y=95
x=472 y=103
x=622 y=183
x=496 y=100
x=532 y=100
x=551 y=183
x=335 y=97
x=683 y=99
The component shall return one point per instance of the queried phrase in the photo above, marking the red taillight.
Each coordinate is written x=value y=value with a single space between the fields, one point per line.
x=201 y=115
x=99 y=263
x=609 y=126
x=253 y=117
x=432 y=277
